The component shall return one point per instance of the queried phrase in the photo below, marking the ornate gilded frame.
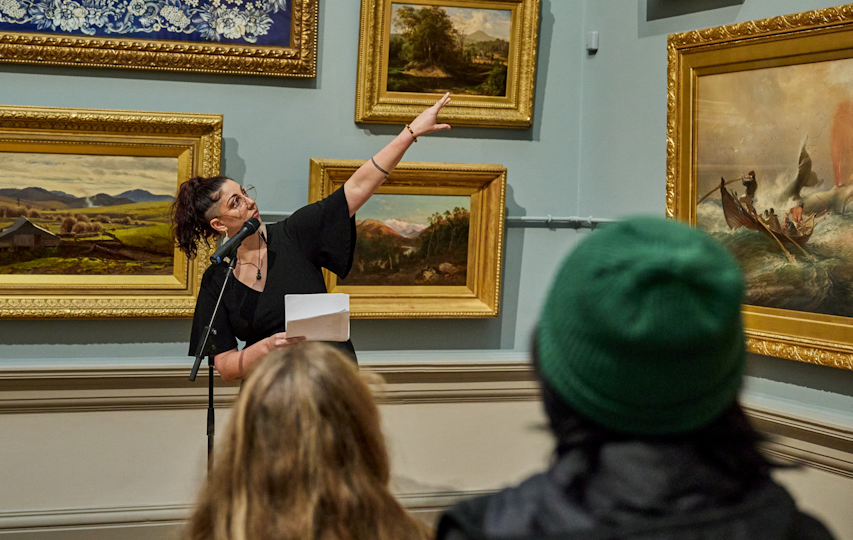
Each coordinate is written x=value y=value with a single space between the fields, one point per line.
x=480 y=296
x=802 y=38
x=374 y=104
x=194 y=139
x=296 y=59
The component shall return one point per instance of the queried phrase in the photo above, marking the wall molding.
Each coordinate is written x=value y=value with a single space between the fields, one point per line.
x=178 y=514
x=93 y=517
x=159 y=387
x=794 y=437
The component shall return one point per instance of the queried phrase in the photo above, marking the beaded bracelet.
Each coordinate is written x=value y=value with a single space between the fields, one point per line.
x=383 y=171
x=412 y=132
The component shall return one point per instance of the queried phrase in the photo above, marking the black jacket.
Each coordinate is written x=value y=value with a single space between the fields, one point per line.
x=633 y=490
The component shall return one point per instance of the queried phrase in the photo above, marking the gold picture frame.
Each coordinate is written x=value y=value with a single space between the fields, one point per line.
x=431 y=278
x=758 y=103
x=70 y=244
x=63 y=37
x=515 y=60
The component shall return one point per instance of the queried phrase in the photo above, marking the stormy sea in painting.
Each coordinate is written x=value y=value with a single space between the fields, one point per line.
x=822 y=285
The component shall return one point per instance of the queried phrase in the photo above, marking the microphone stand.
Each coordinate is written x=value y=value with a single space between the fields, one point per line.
x=208 y=348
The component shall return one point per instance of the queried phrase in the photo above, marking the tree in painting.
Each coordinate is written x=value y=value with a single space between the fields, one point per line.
x=430 y=40
x=396 y=252
x=64 y=222
x=432 y=53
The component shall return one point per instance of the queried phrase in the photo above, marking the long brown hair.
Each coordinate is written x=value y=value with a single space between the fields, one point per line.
x=303 y=458
x=190 y=222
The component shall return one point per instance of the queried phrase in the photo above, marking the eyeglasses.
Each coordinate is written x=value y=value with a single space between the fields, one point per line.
x=238 y=202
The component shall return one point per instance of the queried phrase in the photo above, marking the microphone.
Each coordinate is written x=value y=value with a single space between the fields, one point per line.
x=229 y=248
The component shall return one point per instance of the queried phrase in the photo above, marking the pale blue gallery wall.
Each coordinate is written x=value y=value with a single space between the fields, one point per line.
x=622 y=167
x=272 y=127
x=597 y=148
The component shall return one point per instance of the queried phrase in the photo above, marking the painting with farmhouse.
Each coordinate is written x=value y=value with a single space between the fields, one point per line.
x=85 y=199
x=73 y=214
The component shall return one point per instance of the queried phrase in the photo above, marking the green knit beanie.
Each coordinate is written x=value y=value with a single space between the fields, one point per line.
x=641 y=331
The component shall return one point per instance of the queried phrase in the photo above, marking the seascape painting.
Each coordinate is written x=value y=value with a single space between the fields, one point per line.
x=437 y=49
x=411 y=240
x=258 y=22
x=774 y=181
x=75 y=214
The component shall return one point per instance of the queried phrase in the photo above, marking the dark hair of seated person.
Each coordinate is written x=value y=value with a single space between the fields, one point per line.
x=729 y=442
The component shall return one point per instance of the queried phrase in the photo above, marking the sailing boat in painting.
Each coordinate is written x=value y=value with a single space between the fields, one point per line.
x=793 y=239
x=796 y=231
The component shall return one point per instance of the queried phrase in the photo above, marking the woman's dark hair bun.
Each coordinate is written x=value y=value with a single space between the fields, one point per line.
x=189 y=212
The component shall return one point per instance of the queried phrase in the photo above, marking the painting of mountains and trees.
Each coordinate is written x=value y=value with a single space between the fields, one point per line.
x=411 y=240
x=73 y=214
x=436 y=49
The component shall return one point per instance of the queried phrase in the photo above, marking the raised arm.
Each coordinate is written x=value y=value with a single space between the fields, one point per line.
x=364 y=181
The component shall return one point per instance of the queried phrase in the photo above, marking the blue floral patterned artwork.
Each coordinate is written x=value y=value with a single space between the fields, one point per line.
x=256 y=22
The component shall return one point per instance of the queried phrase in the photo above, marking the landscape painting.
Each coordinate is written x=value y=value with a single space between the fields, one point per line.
x=775 y=181
x=482 y=51
x=438 y=49
x=92 y=215
x=411 y=240
x=429 y=242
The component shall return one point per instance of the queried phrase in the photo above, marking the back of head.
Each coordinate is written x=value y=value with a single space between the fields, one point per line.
x=190 y=212
x=303 y=457
x=642 y=332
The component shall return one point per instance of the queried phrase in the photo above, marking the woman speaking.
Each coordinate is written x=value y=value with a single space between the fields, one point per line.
x=281 y=258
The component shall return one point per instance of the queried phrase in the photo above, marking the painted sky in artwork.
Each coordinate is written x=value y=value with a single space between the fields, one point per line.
x=494 y=22
x=88 y=175
x=758 y=120
x=410 y=208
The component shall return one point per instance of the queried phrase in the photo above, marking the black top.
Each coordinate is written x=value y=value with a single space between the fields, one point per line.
x=320 y=235
x=638 y=490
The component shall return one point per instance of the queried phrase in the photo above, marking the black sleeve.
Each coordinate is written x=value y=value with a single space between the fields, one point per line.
x=808 y=528
x=325 y=232
x=208 y=293
x=464 y=520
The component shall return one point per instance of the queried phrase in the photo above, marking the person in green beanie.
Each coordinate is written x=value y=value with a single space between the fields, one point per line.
x=640 y=352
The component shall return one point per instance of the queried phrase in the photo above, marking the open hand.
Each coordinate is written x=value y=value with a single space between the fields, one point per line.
x=426 y=121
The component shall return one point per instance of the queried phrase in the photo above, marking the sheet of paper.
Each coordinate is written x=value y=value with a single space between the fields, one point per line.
x=318 y=317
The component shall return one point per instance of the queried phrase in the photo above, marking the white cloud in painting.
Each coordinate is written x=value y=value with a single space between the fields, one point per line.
x=496 y=23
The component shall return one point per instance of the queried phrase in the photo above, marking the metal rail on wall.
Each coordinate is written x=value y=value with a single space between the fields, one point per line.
x=531 y=222
x=553 y=223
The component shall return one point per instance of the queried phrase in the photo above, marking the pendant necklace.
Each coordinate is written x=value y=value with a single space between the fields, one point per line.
x=258 y=275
